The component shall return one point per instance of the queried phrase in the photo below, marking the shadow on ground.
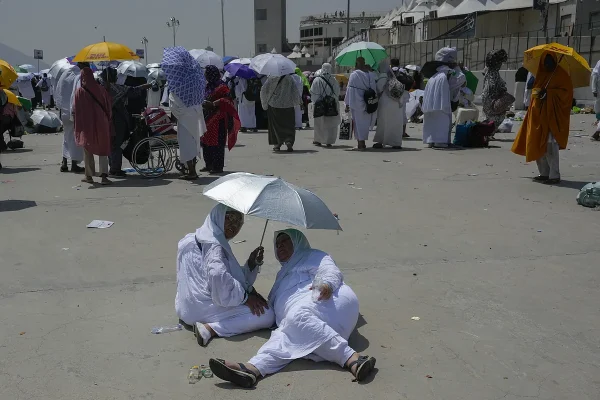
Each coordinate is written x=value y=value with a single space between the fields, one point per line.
x=16 y=205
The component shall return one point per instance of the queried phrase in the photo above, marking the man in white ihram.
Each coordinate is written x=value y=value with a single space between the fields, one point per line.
x=441 y=91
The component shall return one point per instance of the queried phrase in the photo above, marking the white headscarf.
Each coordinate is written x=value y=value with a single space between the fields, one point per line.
x=302 y=250
x=447 y=55
x=326 y=69
x=212 y=231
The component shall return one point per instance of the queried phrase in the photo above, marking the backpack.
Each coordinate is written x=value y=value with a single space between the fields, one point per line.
x=395 y=89
x=327 y=106
x=45 y=87
x=371 y=100
x=252 y=92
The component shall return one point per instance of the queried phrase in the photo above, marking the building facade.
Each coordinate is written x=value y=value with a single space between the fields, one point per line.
x=270 y=26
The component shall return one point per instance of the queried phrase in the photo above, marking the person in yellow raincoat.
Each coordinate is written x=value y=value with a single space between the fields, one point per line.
x=545 y=129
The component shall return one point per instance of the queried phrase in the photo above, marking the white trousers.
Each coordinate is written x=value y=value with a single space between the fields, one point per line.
x=335 y=350
x=298 y=113
x=548 y=165
x=243 y=323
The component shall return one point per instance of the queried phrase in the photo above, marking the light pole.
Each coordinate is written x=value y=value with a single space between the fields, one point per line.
x=173 y=24
x=348 y=21
x=144 y=41
x=223 y=26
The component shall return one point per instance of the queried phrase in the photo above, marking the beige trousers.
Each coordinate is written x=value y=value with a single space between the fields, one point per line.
x=90 y=164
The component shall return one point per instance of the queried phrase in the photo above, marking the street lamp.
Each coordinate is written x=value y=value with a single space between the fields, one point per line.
x=144 y=41
x=223 y=27
x=173 y=24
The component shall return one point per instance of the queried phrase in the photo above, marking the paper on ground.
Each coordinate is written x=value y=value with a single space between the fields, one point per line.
x=100 y=224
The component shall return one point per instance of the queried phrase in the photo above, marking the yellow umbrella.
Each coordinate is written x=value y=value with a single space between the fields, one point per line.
x=105 y=51
x=7 y=74
x=341 y=78
x=12 y=99
x=569 y=60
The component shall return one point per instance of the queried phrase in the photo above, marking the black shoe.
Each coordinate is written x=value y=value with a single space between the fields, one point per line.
x=255 y=130
x=243 y=130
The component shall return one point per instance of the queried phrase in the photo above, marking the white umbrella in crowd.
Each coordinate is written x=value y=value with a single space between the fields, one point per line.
x=206 y=58
x=272 y=65
x=243 y=61
x=134 y=69
x=47 y=119
x=27 y=67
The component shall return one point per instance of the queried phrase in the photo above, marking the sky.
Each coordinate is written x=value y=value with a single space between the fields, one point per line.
x=62 y=27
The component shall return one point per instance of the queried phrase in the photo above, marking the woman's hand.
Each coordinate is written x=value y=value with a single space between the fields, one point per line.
x=256 y=258
x=326 y=292
x=256 y=303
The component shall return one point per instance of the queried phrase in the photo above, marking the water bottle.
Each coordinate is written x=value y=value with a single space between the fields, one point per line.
x=157 y=330
x=194 y=375
x=316 y=289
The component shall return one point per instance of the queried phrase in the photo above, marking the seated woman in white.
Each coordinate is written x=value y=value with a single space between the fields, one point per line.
x=215 y=293
x=314 y=329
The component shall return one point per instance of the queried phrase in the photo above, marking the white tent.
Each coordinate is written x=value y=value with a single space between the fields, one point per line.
x=420 y=11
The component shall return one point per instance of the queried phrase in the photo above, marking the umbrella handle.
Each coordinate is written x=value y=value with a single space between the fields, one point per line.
x=263 y=235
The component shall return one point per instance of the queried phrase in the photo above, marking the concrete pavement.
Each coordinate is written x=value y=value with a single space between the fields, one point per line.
x=502 y=272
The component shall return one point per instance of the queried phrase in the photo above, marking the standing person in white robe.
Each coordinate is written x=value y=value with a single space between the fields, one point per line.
x=63 y=97
x=391 y=110
x=528 y=87
x=441 y=90
x=595 y=86
x=246 y=108
x=326 y=128
x=45 y=86
x=215 y=293
x=360 y=81
x=310 y=325
x=298 y=108
x=186 y=96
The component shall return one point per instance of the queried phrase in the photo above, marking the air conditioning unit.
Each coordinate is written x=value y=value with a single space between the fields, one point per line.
x=409 y=21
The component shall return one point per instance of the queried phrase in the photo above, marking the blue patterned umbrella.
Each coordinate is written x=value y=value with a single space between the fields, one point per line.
x=184 y=75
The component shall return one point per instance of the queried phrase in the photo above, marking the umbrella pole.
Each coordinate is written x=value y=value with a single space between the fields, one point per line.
x=263 y=235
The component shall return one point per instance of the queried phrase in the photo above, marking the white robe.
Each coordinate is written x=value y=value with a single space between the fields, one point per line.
x=326 y=128
x=26 y=89
x=595 y=86
x=298 y=109
x=153 y=98
x=390 y=116
x=359 y=82
x=190 y=127
x=246 y=108
x=527 y=96
x=306 y=329
x=437 y=109
x=46 y=96
x=520 y=95
x=63 y=96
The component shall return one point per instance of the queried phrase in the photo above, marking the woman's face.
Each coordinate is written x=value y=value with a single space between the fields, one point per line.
x=284 y=247
x=233 y=224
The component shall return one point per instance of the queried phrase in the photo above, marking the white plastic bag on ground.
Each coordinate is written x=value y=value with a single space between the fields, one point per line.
x=506 y=126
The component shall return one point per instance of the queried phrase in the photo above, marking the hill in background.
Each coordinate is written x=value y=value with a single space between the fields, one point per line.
x=15 y=57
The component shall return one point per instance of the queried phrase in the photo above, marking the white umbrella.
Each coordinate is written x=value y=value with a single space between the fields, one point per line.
x=272 y=65
x=27 y=67
x=413 y=102
x=153 y=65
x=24 y=76
x=57 y=68
x=157 y=74
x=272 y=199
x=244 y=61
x=413 y=67
x=46 y=118
x=133 y=68
x=207 y=57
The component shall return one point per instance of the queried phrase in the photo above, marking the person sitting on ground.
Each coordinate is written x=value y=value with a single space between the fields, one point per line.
x=311 y=325
x=214 y=293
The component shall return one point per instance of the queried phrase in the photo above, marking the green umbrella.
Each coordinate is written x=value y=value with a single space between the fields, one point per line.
x=472 y=80
x=371 y=52
x=20 y=70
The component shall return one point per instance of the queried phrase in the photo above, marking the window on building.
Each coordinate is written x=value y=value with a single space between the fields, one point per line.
x=409 y=20
x=260 y=14
x=318 y=31
x=301 y=33
x=565 y=24
x=311 y=32
x=340 y=30
x=433 y=14
x=595 y=21
x=261 y=48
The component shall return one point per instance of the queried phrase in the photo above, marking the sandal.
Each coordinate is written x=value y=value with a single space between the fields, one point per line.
x=88 y=179
x=378 y=146
x=364 y=367
x=64 y=168
x=244 y=378
x=541 y=178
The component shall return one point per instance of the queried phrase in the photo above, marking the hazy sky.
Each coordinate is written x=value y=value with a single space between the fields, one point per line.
x=62 y=27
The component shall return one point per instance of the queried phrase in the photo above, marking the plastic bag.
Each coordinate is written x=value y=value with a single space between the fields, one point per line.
x=589 y=196
x=506 y=126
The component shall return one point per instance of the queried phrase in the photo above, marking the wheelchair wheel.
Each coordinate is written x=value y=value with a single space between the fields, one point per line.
x=156 y=155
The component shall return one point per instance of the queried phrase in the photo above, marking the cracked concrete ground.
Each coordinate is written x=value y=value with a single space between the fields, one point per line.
x=502 y=272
